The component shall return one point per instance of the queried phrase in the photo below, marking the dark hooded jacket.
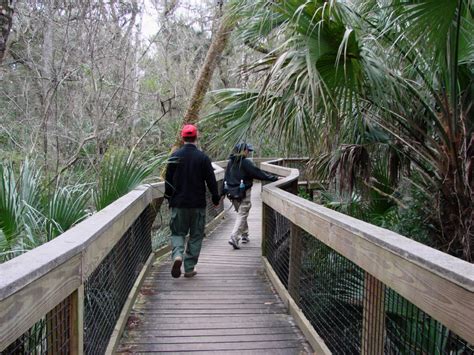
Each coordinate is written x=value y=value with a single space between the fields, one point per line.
x=189 y=171
x=241 y=168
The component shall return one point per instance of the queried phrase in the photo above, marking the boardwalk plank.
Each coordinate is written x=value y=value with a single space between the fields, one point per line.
x=243 y=352
x=210 y=339
x=228 y=308
x=242 y=345
x=192 y=325
x=219 y=318
x=184 y=306
x=207 y=332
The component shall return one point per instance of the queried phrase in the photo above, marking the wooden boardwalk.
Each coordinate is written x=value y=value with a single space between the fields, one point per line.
x=229 y=307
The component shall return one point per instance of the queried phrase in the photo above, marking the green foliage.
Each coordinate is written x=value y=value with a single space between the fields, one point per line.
x=150 y=84
x=10 y=208
x=66 y=207
x=304 y=194
x=359 y=84
x=406 y=324
x=121 y=173
x=29 y=215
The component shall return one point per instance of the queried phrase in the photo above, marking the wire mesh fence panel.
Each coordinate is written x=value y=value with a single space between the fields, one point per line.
x=331 y=291
x=161 y=230
x=107 y=288
x=276 y=240
x=50 y=335
x=211 y=211
x=343 y=302
x=277 y=243
x=351 y=310
x=409 y=330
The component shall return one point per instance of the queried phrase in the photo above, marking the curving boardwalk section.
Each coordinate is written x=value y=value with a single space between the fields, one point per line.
x=228 y=308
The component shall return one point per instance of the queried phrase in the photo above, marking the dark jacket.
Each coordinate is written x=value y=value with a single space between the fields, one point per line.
x=187 y=173
x=241 y=168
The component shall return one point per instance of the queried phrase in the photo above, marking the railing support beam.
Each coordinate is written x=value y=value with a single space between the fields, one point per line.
x=373 y=324
x=265 y=216
x=295 y=263
x=76 y=328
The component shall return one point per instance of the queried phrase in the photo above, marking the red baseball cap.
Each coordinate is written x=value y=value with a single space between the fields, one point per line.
x=189 y=130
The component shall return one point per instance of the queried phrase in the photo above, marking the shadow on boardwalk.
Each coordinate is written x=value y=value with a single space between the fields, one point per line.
x=229 y=307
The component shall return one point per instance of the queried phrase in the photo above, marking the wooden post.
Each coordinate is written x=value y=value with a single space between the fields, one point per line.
x=76 y=326
x=265 y=216
x=373 y=324
x=294 y=187
x=295 y=263
x=52 y=325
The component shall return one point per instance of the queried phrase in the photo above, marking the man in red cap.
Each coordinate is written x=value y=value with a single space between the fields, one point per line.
x=188 y=172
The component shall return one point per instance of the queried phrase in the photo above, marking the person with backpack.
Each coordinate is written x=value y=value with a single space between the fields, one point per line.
x=188 y=172
x=238 y=181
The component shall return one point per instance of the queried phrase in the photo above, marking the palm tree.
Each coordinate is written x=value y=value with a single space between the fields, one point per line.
x=357 y=79
x=203 y=81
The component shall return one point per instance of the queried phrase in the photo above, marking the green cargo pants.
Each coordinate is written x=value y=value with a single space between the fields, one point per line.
x=184 y=220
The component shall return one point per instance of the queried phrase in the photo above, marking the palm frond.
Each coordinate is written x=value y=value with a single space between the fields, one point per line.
x=120 y=174
x=66 y=207
x=10 y=208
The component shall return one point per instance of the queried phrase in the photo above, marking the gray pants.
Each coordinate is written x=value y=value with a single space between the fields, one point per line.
x=184 y=221
x=241 y=227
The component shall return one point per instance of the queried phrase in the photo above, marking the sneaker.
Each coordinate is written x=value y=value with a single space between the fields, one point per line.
x=190 y=273
x=245 y=239
x=176 y=269
x=234 y=242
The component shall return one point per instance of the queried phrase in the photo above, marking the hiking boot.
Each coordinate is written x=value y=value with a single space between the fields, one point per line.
x=176 y=269
x=245 y=239
x=190 y=273
x=234 y=242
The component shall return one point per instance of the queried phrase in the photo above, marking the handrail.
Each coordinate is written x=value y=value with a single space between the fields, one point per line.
x=34 y=283
x=446 y=266
x=437 y=283
x=29 y=267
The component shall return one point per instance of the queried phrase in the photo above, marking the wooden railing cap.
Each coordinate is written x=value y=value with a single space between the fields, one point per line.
x=443 y=264
x=25 y=268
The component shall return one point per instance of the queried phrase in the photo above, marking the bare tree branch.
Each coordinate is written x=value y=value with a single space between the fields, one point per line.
x=73 y=159
x=145 y=133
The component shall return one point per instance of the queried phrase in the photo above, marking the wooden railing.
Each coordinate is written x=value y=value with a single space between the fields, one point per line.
x=48 y=291
x=90 y=272
x=308 y=249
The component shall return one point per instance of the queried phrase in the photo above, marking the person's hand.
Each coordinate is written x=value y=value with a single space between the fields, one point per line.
x=216 y=200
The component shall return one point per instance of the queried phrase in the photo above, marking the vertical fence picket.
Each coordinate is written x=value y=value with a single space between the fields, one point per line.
x=295 y=263
x=76 y=322
x=373 y=324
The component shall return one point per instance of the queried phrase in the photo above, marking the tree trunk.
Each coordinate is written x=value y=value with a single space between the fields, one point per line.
x=456 y=205
x=203 y=80
x=6 y=17
x=48 y=79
